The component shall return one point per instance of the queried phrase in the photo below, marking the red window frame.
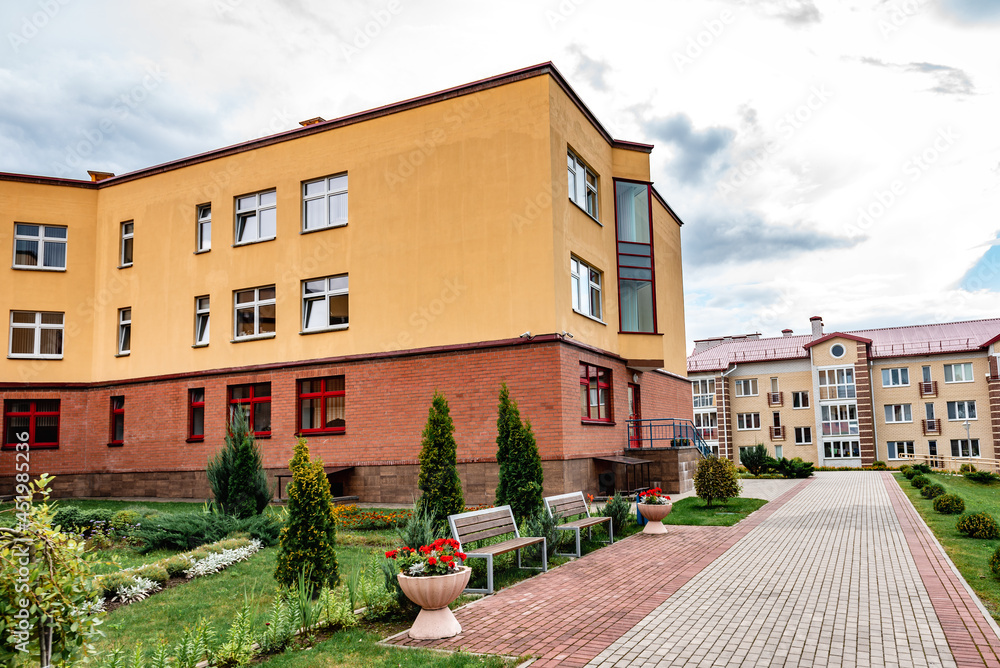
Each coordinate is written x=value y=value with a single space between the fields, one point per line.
x=32 y=414
x=590 y=380
x=624 y=260
x=192 y=407
x=322 y=395
x=117 y=412
x=252 y=401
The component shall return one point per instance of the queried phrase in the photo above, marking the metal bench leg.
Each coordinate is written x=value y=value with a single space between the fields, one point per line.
x=545 y=556
x=578 y=543
x=489 y=574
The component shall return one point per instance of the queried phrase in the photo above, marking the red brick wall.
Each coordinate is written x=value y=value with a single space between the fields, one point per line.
x=866 y=416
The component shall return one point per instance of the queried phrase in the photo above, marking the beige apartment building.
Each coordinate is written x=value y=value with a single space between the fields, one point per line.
x=930 y=392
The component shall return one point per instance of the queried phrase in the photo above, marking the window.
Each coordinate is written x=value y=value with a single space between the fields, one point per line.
x=898 y=413
x=124 y=331
x=201 y=320
x=125 y=256
x=747 y=421
x=582 y=184
x=31 y=421
x=321 y=405
x=929 y=411
x=703 y=392
x=899 y=449
x=836 y=384
x=36 y=334
x=203 y=242
x=958 y=373
x=774 y=384
x=324 y=203
x=895 y=377
x=837 y=350
x=254 y=312
x=586 y=283
x=841 y=449
x=746 y=387
x=117 y=421
x=707 y=425
x=963 y=447
x=926 y=373
x=961 y=410
x=839 y=420
x=196 y=414
x=800 y=400
x=778 y=454
x=255 y=401
x=595 y=393
x=803 y=435
x=633 y=225
x=324 y=303
x=39 y=247
x=776 y=419
x=256 y=217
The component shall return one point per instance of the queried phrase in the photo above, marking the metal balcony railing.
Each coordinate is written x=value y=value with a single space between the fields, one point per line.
x=777 y=433
x=666 y=433
x=932 y=426
x=775 y=398
x=928 y=388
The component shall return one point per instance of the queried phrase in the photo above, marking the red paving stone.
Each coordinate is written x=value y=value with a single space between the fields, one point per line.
x=971 y=638
x=568 y=616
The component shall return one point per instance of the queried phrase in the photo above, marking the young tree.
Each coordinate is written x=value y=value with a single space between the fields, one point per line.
x=307 y=540
x=442 y=490
x=520 y=478
x=715 y=478
x=236 y=473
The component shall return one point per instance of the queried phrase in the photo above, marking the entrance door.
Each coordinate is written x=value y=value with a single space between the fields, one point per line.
x=634 y=413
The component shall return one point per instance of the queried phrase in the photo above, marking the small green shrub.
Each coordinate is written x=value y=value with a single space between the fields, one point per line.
x=932 y=491
x=978 y=525
x=982 y=477
x=794 y=468
x=949 y=504
x=264 y=527
x=183 y=531
x=966 y=468
x=154 y=572
x=67 y=517
x=904 y=468
x=920 y=481
x=921 y=468
x=995 y=562
x=620 y=512
x=879 y=465
x=418 y=529
x=126 y=520
x=909 y=473
x=715 y=478
x=176 y=565
x=542 y=524
x=110 y=583
x=757 y=460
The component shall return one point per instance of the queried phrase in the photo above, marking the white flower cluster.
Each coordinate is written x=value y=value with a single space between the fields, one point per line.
x=89 y=608
x=136 y=592
x=214 y=563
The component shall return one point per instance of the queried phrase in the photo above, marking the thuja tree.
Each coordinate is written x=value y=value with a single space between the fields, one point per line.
x=236 y=473
x=520 y=478
x=716 y=479
x=442 y=490
x=48 y=600
x=306 y=544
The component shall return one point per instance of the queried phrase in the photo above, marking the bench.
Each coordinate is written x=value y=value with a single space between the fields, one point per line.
x=568 y=505
x=481 y=524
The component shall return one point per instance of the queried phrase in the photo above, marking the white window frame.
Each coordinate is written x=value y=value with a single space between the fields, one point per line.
x=949 y=371
x=972 y=445
x=333 y=186
x=897 y=377
x=742 y=419
x=898 y=413
x=124 y=325
x=827 y=418
x=844 y=388
x=333 y=286
x=583 y=191
x=203 y=229
x=255 y=304
x=842 y=448
x=42 y=240
x=127 y=235
x=37 y=326
x=801 y=434
x=255 y=212
x=966 y=404
x=202 y=314
x=742 y=384
x=892 y=449
x=703 y=393
x=842 y=347
x=797 y=398
x=583 y=290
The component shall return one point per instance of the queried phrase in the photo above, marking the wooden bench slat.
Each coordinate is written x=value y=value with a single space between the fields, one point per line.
x=506 y=546
x=585 y=522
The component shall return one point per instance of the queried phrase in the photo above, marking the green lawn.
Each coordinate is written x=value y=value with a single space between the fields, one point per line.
x=971 y=555
x=693 y=511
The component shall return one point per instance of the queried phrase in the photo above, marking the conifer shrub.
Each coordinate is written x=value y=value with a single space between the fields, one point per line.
x=982 y=477
x=757 y=461
x=794 y=468
x=920 y=481
x=879 y=465
x=438 y=480
x=909 y=473
x=978 y=525
x=236 y=473
x=949 y=504
x=715 y=479
x=619 y=510
x=904 y=468
x=995 y=562
x=966 y=468
x=306 y=544
x=932 y=491
x=155 y=572
x=520 y=479
x=921 y=468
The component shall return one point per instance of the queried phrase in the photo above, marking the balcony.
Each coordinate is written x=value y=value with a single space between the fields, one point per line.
x=931 y=426
x=777 y=433
x=928 y=388
x=775 y=399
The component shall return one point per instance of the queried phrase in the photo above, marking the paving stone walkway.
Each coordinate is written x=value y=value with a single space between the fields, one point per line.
x=837 y=570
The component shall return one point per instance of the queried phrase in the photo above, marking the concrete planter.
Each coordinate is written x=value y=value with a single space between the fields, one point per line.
x=655 y=514
x=433 y=594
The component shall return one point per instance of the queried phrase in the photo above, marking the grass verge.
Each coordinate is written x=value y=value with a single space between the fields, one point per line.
x=692 y=511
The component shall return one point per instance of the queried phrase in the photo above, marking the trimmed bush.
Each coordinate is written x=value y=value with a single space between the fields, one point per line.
x=966 y=468
x=982 y=477
x=995 y=562
x=921 y=468
x=715 y=479
x=126 y=520
x=183 y=531
x=920 y=481
x=155 y=572
x=909 y=473
x=932 y=491
x=68 y=518
x=176 y=565
x=904 y=468
x=978 y=525
x=794 y=468
x=112 y=582
x=949 y=504
x=520 y=477
x=879 y=465
x=438 y=480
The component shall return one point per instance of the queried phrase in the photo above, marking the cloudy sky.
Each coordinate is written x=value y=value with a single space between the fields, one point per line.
x=837 y=158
